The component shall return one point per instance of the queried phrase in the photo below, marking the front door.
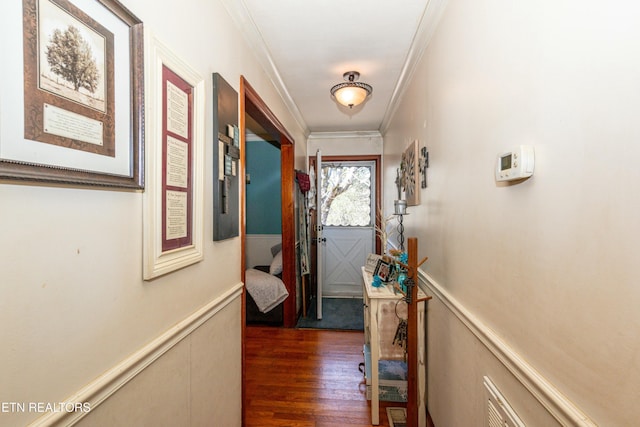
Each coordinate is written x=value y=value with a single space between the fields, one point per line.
x=347 y=214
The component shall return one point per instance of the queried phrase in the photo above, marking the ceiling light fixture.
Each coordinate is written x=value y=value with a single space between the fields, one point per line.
x=352 y=92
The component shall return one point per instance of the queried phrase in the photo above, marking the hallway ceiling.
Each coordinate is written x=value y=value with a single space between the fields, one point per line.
x=306 y=46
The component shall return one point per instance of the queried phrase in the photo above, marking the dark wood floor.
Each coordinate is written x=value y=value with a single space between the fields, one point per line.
x=305 y=378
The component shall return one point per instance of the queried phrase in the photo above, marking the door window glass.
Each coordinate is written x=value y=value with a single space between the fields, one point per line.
x=346 y=195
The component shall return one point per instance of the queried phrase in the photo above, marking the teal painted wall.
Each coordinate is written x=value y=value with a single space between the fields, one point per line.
x=264 y=213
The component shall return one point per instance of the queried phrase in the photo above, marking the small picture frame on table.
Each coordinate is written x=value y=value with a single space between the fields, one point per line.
x=383 y=270
x=372 y=263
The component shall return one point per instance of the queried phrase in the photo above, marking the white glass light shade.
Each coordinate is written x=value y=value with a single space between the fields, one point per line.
x=351 y=92
x=351 y=95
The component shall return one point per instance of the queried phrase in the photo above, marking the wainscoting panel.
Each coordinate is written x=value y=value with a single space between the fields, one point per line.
x=462 y=349
x=216 y=366
x=189 y=376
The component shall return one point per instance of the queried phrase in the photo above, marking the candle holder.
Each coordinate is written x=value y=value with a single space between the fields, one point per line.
x=400 y=207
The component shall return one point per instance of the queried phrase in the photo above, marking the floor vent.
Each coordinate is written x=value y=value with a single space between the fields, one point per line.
x=499 y=412
x=397 y=417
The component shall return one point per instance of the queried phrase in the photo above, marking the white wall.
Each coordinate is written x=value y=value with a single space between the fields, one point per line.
x=547 y=267
x=258 y=248
x=345 y=143
x=73 y=304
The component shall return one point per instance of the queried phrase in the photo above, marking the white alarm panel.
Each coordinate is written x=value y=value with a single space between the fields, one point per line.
x=517 y=164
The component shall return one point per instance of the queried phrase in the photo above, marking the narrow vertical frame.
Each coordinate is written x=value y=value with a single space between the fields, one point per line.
x=226 y=153
x=168 y=246
x=410 y=171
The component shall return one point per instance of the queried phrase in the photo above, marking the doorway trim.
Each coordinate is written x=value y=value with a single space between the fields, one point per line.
x=252 y=104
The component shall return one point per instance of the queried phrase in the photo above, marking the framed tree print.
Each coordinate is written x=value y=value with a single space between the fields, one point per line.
x=71 y=95
x=173 y=201
x=410 y=170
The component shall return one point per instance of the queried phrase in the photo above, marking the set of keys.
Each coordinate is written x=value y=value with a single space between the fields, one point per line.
x=400 y=338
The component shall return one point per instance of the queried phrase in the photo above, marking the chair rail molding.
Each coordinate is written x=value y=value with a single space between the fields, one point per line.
x=540 y=388
x=119 y=375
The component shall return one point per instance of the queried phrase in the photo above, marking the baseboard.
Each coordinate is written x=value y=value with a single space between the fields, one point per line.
x=115 y=378
x=558 y=406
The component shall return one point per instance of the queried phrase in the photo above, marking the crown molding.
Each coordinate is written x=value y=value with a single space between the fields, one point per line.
x=427 y=26
x=345 y=135
x=240 y=15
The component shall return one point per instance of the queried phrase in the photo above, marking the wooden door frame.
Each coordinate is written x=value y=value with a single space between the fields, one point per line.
x=252 y=104
x=377 y=159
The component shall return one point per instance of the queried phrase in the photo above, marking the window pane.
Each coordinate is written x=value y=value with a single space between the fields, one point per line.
x=346 y=195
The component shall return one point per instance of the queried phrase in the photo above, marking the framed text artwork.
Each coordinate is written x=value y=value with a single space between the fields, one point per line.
x=71 y=98
x=173 y=212
x=372 y=262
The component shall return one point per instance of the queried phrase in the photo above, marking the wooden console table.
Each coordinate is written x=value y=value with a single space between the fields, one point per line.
x=380 y=323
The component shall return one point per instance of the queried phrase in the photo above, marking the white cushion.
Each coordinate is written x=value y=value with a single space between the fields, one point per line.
x=275 y=249
x=276 y=264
